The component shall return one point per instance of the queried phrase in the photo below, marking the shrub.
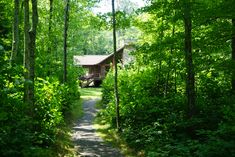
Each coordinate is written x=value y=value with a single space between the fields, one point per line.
x=156 y=122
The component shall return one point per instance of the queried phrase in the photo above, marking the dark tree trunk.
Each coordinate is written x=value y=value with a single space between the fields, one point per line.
x=50 y=18
x=15 y=42
x=190 y=76
x=32 y=35
x=66 y=20
x=175 y=71
x=50 y=25
x=169 y=63
x=233 y=55
x=115 y=68
x=30 y=48
x=50 y=42
x=26 y=51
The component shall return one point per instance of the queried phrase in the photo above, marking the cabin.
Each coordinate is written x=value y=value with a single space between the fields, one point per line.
x=97 y=66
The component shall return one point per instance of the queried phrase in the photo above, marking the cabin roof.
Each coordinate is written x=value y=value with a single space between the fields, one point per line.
x=88 y=60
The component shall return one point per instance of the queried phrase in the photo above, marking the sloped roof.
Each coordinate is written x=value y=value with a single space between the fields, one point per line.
x=90 y=59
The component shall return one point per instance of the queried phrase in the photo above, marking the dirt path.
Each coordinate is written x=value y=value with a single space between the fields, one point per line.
x=87 y=142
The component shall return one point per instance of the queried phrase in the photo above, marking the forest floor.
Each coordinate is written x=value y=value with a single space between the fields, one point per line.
x=87 y=142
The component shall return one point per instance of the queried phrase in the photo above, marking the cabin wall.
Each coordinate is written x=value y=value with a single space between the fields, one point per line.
x=104 y=69
x=93 y=70
x=100 y=70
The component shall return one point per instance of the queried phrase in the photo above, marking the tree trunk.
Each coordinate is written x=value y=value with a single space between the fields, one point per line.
x=50 y=24
x=175 y=71
x=190 y=78
x=49 y=27
x=169 y=63
x=233 y=55
x=32 y=35
x=66 y=19
x=26 y=51
x=29 y=50
x=50 y=42
x=115 y=68
x=15 y=43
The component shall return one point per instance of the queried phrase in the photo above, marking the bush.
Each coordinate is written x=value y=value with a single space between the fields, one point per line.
x=157 y=123
x=32 y=130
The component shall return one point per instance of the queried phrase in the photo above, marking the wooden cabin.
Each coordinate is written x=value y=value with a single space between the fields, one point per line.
x=97 y=66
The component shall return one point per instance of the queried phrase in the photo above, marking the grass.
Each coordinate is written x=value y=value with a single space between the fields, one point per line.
x=77 y=110
x=86 y=93
x=64 y=139
x=75 y=114
x=89 y=93
x=104 y=130
x=111 y=136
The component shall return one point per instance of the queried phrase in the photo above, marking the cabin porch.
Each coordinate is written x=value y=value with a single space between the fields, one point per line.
x=94 y=76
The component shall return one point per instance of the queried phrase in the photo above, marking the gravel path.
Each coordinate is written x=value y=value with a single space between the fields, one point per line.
x=87 y=142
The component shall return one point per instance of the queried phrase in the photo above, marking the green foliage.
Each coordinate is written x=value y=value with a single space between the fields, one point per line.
x=33 y=130
x=69 y=95
x=145 y=116
x=5 y=24
x=48 y=107
x=37 y=127
x=152 y=93
x=159 y=124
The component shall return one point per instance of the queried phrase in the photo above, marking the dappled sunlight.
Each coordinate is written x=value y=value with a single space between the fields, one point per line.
x=165 y=68
x=110 y=135
x=89 y=93
x=87 y=142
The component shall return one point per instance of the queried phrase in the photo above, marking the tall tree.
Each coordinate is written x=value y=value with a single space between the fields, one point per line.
x=115 y=67
x=49 y=45
x=30 y=49
x=66 y=20
x=50 y=26
x=26 y=50
x=190 y=78
x=50 y=23
x=15 y=42
x=233 y=54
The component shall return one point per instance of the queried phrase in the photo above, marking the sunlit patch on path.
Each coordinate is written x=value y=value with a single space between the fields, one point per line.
x=87 y=142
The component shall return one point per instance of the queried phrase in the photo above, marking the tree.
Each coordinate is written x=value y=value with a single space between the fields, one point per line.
x=66 y=19
x=27 y=97
x=190 y=78
x=15 y=42
x=29 y=50
x=50 y=42
x=115 y=67
x=50 y=25
x=233 y=54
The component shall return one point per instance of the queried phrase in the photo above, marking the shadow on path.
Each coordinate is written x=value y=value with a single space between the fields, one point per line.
x=87 y=142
